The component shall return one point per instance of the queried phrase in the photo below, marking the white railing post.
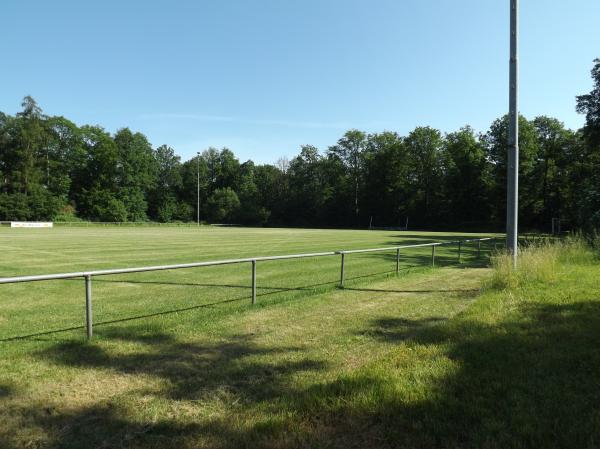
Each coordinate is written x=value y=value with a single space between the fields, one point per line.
x=88 y=306
x=342 y=271
x=254 y=282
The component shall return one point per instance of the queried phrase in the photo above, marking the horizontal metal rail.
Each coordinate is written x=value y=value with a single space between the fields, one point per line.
x=87 y=275
x=391 y=248
x=421 y=245
x=48 y=277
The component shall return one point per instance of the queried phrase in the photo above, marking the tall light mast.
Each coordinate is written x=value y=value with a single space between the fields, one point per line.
x=198 y=188
x=512 y=191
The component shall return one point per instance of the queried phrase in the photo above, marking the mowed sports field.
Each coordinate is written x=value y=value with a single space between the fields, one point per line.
x=31 y=308
x=181 y=359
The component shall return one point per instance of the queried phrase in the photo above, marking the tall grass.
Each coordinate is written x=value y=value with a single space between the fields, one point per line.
x=539 y=262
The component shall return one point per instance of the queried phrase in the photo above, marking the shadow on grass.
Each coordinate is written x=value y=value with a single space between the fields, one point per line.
x=399 y=329
x=317 y=288
x=6 y=390
x=193 y=371
x=236 y=373
x=530 y=380
x=121 y=320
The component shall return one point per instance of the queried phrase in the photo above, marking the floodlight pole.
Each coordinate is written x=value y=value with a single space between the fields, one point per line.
x=512 y=191
x=198 y=188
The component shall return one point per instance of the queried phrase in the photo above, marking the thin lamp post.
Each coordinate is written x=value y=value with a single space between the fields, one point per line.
x=512 y=203
x=198 y=188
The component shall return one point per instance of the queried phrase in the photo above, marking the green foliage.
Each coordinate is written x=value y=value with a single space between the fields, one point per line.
x=589 y=105
x=44 y=205
x=102 y=205
x=134 y=200
x=496 y=142
x=39 y=205
x=166 y=210
x=183 y=212
x=97 y=178
x=588 y=165
x=468 y=177
x=424 y=146
x=223 y=205
x=162 y=198
x=387 y=175
x=457 y=180
x=350 y=151
x=307 y=184
x=14 y=207
x=66 y=214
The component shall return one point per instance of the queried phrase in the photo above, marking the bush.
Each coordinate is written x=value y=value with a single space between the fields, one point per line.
x=183 y=212
x=252 y=214
x=38 y=205
x=223 y=205
x=112 y=210
x=66 y=214
x=165 y=211
x=102 y=205
x=135 y=204
x=14 y=207
x=44 y=205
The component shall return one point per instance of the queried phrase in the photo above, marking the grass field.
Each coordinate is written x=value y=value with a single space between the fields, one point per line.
x=425 y=359
x=51 y=305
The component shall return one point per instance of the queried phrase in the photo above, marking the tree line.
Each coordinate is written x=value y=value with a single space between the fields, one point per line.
x=51 y=169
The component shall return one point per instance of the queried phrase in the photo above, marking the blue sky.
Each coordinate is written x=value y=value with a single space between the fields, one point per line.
x=263 y=77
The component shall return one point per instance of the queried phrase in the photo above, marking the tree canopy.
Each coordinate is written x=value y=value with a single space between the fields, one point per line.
x=52 y=169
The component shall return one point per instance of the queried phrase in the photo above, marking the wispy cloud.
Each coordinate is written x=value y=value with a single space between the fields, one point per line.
x=246 y=121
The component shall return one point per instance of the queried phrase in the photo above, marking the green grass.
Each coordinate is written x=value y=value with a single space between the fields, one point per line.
x=51 y=305
x=539 y=261
x=425 y=359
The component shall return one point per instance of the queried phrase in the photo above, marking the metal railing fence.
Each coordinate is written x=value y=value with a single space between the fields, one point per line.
x=87 y=275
